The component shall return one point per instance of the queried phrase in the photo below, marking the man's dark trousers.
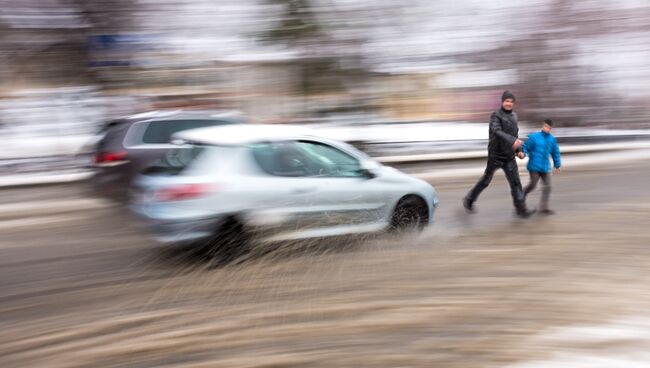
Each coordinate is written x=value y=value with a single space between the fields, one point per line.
x=511 y=170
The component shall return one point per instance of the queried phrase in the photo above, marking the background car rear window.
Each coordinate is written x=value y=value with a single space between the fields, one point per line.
x=161 y=131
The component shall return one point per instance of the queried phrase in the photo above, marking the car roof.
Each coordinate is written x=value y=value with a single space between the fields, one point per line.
x=238 y=135
x=230 y=115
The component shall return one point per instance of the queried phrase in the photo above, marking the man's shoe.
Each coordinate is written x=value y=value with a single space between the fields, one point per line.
x=524 y=214
x=547 y=212
x=468 y=205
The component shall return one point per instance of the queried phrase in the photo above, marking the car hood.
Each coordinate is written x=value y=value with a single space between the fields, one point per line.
x=393 y=175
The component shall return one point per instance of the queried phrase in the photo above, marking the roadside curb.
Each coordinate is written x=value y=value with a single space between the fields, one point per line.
x=54 y=207
x=12 y=211
x=478 y=154
x=567 y=162
x=27 y=180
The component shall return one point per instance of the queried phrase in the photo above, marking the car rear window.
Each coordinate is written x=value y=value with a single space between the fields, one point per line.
x=159 y=132
x=111 y=135
x=175 y=161
x=192 y=159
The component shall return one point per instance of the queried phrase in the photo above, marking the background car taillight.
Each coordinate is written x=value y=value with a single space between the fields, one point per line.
x=183 y=192
x=111 y=158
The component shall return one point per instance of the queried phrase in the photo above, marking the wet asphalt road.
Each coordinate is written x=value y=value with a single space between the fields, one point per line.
x=88 y=289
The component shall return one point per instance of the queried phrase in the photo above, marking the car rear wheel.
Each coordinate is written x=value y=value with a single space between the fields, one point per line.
x=230 y=242
x=411 y=214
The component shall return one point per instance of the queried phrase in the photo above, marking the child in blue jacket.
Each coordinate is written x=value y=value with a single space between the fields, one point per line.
x=538 y=148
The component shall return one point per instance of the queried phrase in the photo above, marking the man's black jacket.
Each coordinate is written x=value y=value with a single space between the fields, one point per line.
x=504 y=130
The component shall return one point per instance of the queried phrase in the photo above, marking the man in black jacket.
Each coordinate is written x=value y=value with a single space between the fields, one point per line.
x=502 y=148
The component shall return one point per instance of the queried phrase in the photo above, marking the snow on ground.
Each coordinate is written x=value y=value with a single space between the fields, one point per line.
x=623 y=343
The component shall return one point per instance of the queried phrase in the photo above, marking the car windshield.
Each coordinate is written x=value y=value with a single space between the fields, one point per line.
x=350 y=148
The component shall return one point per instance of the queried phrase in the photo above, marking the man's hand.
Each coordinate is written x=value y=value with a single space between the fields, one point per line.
x=518 y=143
x=557 y=170
x=520 y=155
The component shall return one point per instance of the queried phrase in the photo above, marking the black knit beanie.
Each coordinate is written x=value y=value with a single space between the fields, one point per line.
x=506 y=95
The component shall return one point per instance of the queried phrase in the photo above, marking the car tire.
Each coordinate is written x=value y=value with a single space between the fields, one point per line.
x=410 y=215
x=230 y=242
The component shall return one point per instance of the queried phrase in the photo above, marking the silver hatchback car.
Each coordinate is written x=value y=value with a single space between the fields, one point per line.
x=279 y=183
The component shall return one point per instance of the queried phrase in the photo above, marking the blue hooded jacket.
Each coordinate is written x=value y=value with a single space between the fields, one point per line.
x=538 y=148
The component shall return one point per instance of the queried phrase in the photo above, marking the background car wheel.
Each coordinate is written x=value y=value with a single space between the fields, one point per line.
x=411 y=214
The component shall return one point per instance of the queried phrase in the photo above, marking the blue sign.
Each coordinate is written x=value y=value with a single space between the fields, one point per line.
x=119 y=49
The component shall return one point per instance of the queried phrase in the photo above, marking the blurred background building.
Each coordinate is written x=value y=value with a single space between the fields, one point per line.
x=68 y=64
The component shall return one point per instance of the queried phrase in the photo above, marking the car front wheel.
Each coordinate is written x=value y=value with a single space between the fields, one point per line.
x=411 y=214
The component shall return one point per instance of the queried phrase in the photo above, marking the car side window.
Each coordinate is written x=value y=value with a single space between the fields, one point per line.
x=325 y=160
x=282 y=159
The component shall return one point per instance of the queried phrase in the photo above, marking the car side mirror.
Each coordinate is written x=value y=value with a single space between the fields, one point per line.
x=370 y=169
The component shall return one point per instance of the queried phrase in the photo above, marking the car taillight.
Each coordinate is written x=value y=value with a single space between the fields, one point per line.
x=107 y=158
x=183 y=192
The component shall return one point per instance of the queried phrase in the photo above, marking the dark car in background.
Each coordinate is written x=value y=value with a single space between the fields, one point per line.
x=128 y=145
